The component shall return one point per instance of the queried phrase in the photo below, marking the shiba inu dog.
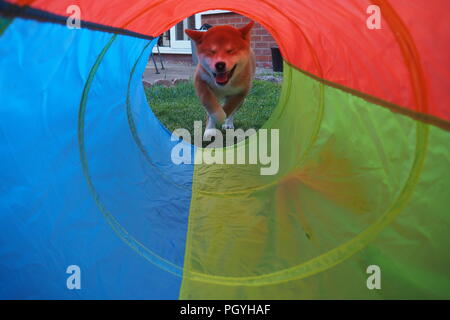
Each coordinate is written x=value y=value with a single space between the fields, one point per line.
x=224 y=72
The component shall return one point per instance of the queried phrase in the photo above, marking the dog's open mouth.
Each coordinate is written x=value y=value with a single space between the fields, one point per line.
x=222 y=78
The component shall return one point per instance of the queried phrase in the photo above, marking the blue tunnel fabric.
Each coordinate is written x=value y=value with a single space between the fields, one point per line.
x=85 y=167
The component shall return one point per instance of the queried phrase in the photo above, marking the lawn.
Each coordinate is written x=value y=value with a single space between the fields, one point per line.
x=178 y=106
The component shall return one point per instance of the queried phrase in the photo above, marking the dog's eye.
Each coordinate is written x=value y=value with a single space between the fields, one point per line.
x=211 y=51
x=230 y=51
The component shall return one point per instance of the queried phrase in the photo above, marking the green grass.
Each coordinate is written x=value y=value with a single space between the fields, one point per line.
x=179 y=106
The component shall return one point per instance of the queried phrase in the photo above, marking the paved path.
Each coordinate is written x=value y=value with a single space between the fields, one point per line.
x=176 y=71
x=171 y=71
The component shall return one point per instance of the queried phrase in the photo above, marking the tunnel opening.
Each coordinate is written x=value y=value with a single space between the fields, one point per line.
x=172 y=92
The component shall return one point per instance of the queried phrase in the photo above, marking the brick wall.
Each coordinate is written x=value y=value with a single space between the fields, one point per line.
x=176 y=58
x=262 y=41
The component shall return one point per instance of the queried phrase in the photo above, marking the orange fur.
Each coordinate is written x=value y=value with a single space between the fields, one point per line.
x=225 y=69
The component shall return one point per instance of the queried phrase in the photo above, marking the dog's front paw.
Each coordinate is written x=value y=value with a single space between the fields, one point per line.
x=209 y=133
x=227 y=125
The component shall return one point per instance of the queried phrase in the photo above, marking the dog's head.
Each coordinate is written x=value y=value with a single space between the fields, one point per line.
x=222 y=50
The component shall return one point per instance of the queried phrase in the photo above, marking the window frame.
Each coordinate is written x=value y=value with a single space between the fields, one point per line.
x=184 y=47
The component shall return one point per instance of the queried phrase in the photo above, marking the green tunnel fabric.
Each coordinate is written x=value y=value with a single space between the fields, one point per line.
x=358 y=185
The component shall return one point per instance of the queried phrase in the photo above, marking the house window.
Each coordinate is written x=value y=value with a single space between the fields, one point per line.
x=188 y=23
x=175 y=40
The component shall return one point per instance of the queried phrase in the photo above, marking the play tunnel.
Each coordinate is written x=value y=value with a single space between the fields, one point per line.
x=86 y=176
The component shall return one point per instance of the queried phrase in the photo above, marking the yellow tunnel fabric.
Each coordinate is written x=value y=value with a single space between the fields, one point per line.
x=358 y=185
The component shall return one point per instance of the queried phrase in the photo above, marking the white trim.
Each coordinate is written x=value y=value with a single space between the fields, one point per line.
x=214 y=12
x=167 y=50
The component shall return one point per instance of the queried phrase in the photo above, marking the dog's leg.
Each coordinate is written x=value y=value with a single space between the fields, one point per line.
x=210 y=130
x=209 y=101
x=232 y=104
x=212 y=106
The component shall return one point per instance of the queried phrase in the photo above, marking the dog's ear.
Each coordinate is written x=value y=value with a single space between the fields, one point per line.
x=245 y=31
x=195 y=35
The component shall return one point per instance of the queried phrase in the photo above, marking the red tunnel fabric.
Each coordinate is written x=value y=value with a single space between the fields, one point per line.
x=405 y=63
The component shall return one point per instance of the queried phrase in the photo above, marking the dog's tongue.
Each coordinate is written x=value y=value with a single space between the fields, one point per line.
x=222 y=77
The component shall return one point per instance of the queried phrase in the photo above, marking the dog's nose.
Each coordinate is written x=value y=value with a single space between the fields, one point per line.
x=220 y=66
